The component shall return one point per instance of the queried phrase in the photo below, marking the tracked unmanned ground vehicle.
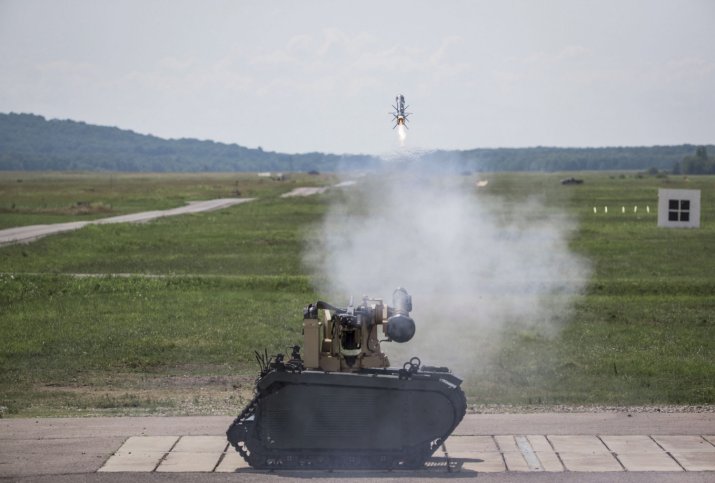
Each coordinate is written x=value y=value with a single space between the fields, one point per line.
x=340 y=404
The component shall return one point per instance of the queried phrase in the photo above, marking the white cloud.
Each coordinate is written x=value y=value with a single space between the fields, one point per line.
x=689 y=69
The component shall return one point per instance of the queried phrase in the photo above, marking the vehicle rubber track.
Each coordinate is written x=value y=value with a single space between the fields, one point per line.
x=376 y=419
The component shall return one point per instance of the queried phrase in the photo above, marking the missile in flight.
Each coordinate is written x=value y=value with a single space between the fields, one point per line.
x=400 y=115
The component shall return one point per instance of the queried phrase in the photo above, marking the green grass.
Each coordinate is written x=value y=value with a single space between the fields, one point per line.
x=643 y=334
x=263 y=237
x=32 y=198
x=65 y=330
x=228 y=282
x=624 y=349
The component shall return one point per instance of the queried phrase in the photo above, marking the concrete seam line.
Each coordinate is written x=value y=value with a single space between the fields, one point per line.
x=667 y=452
x=563 y=465
x=528 y=453
x=613 y=453
x=706 y=440
x=221 y=457
x=163 y=458
x=110 y=456
x=501 y=453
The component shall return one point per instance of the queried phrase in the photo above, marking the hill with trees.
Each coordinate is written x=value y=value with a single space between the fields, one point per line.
x=31 y=142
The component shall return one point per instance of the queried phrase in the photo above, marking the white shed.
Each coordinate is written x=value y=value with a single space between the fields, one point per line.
x=679 y=208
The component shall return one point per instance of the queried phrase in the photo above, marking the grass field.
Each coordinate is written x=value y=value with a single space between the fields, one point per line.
x=31 y=198
x=178 y=335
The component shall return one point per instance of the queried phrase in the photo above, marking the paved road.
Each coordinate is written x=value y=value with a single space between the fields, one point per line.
x=26 y=234
x=74 y=449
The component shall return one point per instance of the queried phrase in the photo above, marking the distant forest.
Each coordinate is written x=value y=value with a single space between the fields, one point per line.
x=31 y=142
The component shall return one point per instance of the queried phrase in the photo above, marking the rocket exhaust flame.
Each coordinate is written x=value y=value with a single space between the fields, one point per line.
x=402 y=134
x=399 y=116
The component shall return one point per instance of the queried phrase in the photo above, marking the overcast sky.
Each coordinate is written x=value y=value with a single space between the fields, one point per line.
x=298 y=76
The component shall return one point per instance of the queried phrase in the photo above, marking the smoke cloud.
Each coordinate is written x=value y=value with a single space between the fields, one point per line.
x=476 y=263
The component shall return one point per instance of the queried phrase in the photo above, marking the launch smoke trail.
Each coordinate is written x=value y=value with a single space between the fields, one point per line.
x=402 y=134
x=476 y=265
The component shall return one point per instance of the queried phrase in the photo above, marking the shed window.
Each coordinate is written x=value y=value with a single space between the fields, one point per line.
x=679 y=210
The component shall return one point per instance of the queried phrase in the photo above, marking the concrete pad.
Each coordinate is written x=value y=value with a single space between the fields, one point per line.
x=507 y=444
x=181 y=462
x=540 y=443
x=696 y=461
x=148 y=444
x=550 y=461
x=470 y=443
x=683 y=444
x=515 y=462
x=134 y=462
x=139 y=453
x=594 y=462
x=518 y=453
x=648 y=462
x=577 y=444
x=486 y=462
x=232 y=462
x=201 y=444
x=631 y=444
x=528 y=453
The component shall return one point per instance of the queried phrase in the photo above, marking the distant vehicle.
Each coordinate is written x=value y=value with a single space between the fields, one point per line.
x=399 y=115
x=571 y=181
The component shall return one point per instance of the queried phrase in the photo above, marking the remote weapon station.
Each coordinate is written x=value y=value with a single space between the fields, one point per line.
x=340 y=404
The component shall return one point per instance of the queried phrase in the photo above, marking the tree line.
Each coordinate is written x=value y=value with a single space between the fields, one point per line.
x=700 y=163
x=31 y=142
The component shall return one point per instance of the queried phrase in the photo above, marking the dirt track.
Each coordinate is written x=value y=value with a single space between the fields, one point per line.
x=26 y=234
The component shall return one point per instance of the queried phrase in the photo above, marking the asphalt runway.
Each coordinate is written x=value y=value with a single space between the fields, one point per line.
x=591 y=447
x=26 y=234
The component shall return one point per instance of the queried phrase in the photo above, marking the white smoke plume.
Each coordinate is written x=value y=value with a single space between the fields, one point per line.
x=475 y=265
